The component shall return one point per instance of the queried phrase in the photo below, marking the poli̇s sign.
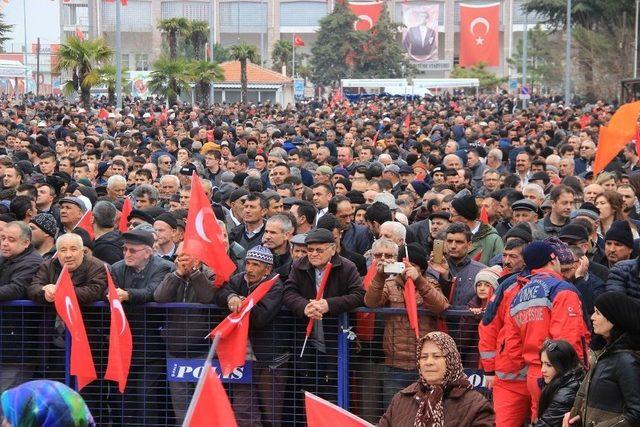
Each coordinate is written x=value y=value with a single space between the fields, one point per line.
x=476 y=378
x=189 y=370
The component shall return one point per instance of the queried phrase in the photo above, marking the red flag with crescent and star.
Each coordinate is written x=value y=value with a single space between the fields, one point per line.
x=67 y=307
x=203 y=237
x=86 y=223
x=234 y=329
x=120 y=339
x=367 y=14
x=479 y=34
x=297 y=40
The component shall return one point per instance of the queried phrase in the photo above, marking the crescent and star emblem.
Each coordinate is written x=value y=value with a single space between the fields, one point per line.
x=200 y=226
x=365 y=18
x=117 y=305
x=482 y=21
x=237 y=317
x=69 y=306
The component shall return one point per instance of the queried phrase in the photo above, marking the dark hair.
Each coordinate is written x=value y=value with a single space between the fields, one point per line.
x=378 y=212
x=460 y=228
x=19 y=207
x=563 y=358
x=328 y=222
x=257 y=196
x=307 y=210
x=332 y=208
x=514 y=243
x=559 y=191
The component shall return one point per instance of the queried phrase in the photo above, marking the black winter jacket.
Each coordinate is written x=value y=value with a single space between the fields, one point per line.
x=267 y=339
x=625 y=277
x=108 y=247
x=186 y=327
x=16 y=274
x=562 y=400
x=612 y=386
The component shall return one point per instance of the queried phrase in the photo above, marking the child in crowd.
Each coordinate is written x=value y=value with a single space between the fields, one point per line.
x=486 y=282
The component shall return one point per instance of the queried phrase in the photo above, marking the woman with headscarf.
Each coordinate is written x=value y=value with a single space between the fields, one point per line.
x=610 y=393
x=442 y=396
x=44 y=403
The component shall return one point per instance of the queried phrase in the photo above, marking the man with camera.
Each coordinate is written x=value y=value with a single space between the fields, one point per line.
x=387 y=290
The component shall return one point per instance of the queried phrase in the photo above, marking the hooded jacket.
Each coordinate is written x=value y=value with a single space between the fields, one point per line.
x=486 y=244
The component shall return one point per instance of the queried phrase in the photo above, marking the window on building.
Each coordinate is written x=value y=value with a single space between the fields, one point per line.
x=142 y=62
x=125 y=60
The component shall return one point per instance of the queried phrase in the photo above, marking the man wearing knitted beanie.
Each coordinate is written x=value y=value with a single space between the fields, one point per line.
x=547 y=307
x=485 y=239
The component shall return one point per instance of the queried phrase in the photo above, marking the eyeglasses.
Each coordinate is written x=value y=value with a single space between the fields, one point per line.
x=133 y=251
x=318 y=250
x=383 y=255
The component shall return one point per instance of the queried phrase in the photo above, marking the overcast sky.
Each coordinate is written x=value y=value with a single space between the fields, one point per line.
x=43 y=20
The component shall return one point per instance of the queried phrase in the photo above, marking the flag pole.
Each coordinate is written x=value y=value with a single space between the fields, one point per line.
x=118 y=37
x=293 y=64
x=200 y=385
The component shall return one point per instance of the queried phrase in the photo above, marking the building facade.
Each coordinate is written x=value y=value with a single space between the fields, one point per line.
x=261 y=23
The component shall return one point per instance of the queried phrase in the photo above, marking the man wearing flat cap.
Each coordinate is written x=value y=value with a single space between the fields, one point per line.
x=267 y=340
x=71 y=211
x=343 y=293
x=136 y=277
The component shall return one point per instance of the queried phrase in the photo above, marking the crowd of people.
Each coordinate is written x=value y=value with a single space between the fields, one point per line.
x=487 y=209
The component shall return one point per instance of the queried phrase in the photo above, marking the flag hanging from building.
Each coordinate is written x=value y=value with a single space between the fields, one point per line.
x=368 y=14
x=420 y=32
x=480 y=34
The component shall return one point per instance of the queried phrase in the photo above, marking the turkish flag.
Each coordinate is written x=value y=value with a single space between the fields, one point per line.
x=123 y=2
x=297 y=40
x=203 y=235
x=411 y=305
x=212 y=407
x=367 y=13
x=365 y=322
x=86 y=223
x=479 y=34
x=68 y=309
x=103 y=114
x=234 y=330
x=120 y=340
x=123 y=225
x=322 y=413
x=407 y=121
x=484 y=216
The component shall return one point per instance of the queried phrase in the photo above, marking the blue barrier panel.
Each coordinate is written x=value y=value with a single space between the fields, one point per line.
x=343 y=363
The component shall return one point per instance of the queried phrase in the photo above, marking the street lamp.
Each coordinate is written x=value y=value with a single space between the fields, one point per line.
x=193 y=94
x=567 y=65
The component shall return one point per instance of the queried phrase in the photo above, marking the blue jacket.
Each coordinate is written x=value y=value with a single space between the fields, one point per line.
x=357 y=238
x=625 y=277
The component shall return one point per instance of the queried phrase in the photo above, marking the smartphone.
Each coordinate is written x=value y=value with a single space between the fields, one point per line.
x=394 y=268
x=438 y=251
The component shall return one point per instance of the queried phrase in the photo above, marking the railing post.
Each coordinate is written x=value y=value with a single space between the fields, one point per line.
x=343 y=362
x=67 y=359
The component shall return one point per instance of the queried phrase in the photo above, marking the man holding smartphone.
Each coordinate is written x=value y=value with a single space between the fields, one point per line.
x=387 y=290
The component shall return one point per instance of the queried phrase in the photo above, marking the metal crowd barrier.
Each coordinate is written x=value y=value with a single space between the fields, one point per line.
x=367 y=357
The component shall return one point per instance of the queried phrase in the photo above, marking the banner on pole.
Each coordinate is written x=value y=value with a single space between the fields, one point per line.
x=420 y=32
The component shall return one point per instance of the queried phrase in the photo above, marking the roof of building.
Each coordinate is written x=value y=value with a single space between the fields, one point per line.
x=255 y=74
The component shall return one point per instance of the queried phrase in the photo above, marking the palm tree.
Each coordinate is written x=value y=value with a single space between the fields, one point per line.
x=282 y=55
x=243 y=53
x=203 y=74
x=197 y=34
x=80 y=58
x=220 y=53
x=107 y=77
x=169 y=78
x=172 y=28
x=4 y=30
